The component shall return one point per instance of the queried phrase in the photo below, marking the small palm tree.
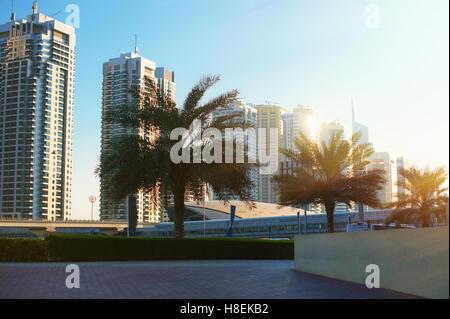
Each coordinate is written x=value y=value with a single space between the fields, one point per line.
x=330 y=173
x=423 y=196
x=141 y=159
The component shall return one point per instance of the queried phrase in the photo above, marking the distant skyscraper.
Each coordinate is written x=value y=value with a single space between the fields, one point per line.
x=288 y=133
x=37 y=66
x=327 y=129
x=303 y=119
x=248 y=115
x=306 y=121
x=166 y=82
x=402 y=163
x=358 y=127
x=270 y=116
x=382 y=161
x=119 y=75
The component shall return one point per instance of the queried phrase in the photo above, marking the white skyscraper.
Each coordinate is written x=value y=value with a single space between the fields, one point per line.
x=248 y=115
x=306 y=120
x=288 y=132
x=270 y=117
x=327 y=129
x=37 y=66
x=119 y=75
x=382 y=161
x=401 y=163
x=166 y=82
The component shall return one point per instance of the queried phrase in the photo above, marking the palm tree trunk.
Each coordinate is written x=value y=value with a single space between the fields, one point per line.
x=329 y=208
x=426 y=218
x=178 y=195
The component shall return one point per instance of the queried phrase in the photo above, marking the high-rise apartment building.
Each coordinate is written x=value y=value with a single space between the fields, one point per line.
x=248 y=114
x=382 y=161
x=306 y=121
x=270 y=116
x=401 y=163
x=37 y=66
x=288 y=133
x=327 y=130
x=303 y=119
x=166 y=82
x=119 y=75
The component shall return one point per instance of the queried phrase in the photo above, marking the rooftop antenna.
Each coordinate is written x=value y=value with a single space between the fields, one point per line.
x=55 y=14
x=13 y=15
x=136 y=49
x=35 y=7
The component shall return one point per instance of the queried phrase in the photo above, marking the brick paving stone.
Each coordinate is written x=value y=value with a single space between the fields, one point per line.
x=226 y=279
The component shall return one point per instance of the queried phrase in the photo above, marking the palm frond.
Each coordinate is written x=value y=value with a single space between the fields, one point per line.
x=423 y=193
x=197 y=92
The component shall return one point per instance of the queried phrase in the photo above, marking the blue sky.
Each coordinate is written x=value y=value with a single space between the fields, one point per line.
x=312 y=52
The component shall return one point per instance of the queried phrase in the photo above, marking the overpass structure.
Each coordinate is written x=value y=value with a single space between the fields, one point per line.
x=211 y=219
x=40 y=228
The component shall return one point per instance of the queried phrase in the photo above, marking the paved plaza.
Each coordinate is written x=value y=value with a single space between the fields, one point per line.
x=178 y=280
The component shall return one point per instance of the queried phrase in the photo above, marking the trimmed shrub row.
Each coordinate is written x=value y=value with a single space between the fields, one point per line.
x=96 y=248
x=23 y=250
x=76 y=248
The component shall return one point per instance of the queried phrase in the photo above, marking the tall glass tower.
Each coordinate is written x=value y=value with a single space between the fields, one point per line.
x=37 y=66
x=360 y=128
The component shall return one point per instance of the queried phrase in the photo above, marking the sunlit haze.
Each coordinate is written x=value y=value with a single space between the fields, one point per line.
x=317 y=53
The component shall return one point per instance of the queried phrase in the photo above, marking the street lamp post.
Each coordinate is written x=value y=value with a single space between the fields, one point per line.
x=205 y=189
x=92 y=200
x=306 y=219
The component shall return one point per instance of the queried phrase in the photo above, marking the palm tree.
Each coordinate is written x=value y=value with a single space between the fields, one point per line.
x=330 y=173
x=141 y=159
x=423 y=196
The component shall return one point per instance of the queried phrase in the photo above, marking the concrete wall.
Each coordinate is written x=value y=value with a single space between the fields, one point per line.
x=413 y=261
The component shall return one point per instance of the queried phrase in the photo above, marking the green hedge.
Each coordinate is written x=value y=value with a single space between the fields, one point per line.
x=71 y=248
x=23 y=250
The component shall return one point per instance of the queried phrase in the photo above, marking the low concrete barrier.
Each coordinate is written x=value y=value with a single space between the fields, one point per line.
x=413 y=261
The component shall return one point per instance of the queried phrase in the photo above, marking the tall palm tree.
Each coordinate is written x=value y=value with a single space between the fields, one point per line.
x=328 y=173
x=141 y=159
x=423 y=196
